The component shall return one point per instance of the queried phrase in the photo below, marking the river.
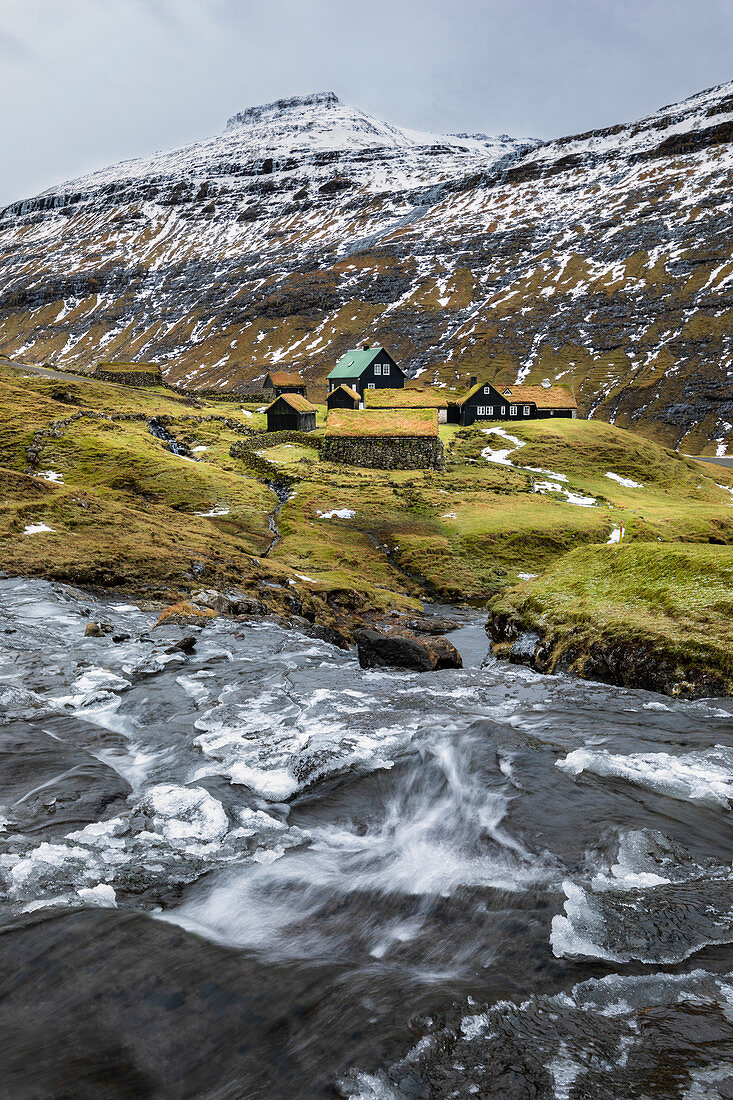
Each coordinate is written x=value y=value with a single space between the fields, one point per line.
x=257 y=870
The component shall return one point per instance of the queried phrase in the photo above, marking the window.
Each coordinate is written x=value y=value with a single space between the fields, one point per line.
x=371 y=385
x=377 y=369
x=480 y=410
x=512 y=410
x=503 y=410
x=490 y=410
x=526 y=410
x=487 y=389
x=385 y=368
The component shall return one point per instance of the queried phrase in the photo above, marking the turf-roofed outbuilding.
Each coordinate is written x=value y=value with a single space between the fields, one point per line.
x=344 y=397
x=366 y=369
x=291 y=413
x=386 y=439
x=282 y=381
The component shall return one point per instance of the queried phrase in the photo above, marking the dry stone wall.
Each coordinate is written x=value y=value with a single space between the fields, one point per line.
x=406 y=453
x=129 y=377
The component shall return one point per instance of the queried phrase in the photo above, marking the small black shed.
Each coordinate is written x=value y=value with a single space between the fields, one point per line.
x=344 y=397
x=291 y=413
x=282 y=381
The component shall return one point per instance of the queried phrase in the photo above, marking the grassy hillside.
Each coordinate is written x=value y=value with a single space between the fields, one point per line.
x=512 y=502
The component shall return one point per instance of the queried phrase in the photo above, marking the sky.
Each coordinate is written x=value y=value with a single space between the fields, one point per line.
x=87 y=83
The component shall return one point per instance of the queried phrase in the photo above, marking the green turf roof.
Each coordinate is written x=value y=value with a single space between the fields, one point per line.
x=354 y=362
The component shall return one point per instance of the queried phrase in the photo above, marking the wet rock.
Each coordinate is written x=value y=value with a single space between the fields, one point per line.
x=52 y=787
x=93 y=630
x=379 y=649
x=428 y=625
x=17 y=702
x=524 y=649
x=186 y=645
x=328 y=634
x=227 y=603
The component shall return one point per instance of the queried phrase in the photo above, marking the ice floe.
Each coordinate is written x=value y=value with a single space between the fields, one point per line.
x=705 y=777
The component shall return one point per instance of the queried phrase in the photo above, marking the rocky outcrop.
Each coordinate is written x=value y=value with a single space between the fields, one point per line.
x=622 y=662
x=399 y=650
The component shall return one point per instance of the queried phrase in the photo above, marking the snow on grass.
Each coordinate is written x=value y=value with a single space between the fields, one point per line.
x=199 y=448
x=51 y=475
x=217 y=510
x=570 y=497
x=337 y=513
x=627 y=481
x=501 y=456
x=37 y=529
x=548 y=473
x=615 y=536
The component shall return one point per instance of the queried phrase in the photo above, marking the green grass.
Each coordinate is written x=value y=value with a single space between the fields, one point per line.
x=679 y=596
x=126 y=515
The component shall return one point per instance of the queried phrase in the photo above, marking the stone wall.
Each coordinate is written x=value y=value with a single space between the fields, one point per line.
x=392 y=453
x=129 y=377
x=246 y=450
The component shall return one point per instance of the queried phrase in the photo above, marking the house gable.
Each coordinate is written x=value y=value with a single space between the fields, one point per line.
x=367 y=368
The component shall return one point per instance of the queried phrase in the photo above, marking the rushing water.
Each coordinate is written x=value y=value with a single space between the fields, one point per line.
x=257 y=870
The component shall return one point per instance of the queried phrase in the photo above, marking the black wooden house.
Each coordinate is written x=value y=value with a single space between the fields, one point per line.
x=484 y=402
x=366 y=369
x=291 y=413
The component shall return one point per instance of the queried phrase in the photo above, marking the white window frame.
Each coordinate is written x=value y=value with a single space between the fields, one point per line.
x=487 y=389
x=377 y=369
x=385 y=368
x=503 y=410
x=489 y=410
x=512 y=410
x=371 y=385
x=480 y=410
x=526 y=410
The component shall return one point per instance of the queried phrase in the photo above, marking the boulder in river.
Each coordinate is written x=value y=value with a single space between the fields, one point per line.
x=380 y=649
x=432 y=625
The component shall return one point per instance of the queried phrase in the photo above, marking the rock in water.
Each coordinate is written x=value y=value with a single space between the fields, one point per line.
x=427 y=625
x=379 y=649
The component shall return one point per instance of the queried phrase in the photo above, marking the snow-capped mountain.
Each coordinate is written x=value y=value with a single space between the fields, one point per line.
x=603 y=260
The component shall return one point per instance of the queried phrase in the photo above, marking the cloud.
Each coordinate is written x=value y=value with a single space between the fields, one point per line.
x=13 y=48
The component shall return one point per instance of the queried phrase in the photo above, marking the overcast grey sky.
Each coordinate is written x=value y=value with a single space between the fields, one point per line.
x=86 y=83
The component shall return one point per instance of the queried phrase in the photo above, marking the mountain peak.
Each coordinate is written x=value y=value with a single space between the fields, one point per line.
x=254 y=115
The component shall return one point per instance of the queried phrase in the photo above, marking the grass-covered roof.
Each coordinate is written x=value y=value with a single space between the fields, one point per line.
x=295 y=400
x=407 y=398
x=385 y=423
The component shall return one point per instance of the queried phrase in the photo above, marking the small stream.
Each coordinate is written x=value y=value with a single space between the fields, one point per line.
x=283 y=493
x=161 y=432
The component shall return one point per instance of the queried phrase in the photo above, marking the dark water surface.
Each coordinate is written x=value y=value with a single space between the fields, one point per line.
x=260 y=871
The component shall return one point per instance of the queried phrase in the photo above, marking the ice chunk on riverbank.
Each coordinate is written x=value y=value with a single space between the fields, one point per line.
x=702 y=777
x=185 y=815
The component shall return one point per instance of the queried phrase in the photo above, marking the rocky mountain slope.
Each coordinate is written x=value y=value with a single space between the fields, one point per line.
x=603 y=259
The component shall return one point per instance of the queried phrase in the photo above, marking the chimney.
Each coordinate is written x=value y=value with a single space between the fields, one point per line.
x=366 y=347
x=473 y=381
